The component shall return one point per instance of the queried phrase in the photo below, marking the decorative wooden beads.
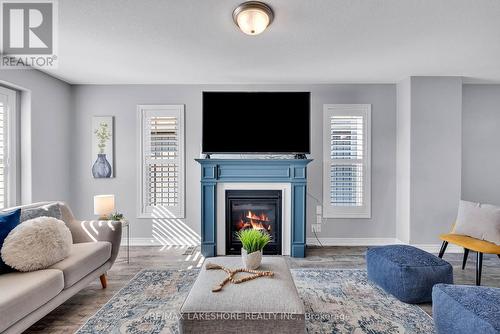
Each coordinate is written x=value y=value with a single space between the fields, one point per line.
x=232 y=272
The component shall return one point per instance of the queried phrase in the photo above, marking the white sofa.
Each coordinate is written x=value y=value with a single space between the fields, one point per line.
x=27 y=297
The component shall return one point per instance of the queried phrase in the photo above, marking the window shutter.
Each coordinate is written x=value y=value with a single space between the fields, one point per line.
x=7 y=149
x=346 y=145
x=347 y=161
x=163 y=161
x=3 y=155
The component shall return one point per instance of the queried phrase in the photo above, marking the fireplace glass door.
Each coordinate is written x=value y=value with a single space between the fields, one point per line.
x=253 y=209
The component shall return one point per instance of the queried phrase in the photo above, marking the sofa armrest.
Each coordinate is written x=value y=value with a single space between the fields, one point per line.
x=98 y=230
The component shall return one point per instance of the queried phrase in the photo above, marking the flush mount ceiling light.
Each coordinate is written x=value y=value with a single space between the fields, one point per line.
x=253 y=17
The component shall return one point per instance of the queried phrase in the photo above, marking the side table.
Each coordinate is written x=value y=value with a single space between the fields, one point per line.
x=126 y=223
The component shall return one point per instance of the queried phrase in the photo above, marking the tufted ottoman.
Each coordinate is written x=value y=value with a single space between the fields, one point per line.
x=406 y=272
x=263 y=305
x=461 y=309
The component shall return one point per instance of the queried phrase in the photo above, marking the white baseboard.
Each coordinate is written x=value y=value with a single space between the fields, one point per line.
x=147 y=242
x=434 y=248
x=431 y=248
x=353 y=241
x=140 y=242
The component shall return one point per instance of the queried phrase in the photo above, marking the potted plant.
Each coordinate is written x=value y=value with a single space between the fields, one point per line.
x=116 y=216
x=253 y=242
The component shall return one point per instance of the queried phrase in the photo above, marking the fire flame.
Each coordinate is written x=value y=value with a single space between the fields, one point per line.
x=262 y=217
x=254 y=221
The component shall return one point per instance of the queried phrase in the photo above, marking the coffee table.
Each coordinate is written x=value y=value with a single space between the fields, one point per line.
x=262 y=305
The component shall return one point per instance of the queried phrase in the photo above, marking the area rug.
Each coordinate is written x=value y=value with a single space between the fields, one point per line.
x=336 y=301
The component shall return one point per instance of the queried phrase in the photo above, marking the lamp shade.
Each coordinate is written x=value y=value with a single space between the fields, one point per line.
x=104 y=204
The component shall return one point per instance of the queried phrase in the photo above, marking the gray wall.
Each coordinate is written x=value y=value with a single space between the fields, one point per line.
x=481 y=143
x=46 y=133
x=403 y=162
x=57 y=128
x=121 y=101
x=429 y=153
x=435 y=157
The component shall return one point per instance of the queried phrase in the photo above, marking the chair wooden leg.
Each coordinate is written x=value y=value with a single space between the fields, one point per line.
x=104 y=281
x=443 y=248
x=479 y=267
x=466 y=254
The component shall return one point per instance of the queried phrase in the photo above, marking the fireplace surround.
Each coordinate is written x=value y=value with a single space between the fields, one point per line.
x=286 y=174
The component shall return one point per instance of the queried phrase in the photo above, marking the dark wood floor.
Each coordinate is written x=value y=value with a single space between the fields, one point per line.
x=68 y=317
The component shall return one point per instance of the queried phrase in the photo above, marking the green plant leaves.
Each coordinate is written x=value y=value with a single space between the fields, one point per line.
x=253 y=240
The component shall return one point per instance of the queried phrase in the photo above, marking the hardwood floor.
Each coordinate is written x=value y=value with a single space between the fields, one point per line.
x=68 y=317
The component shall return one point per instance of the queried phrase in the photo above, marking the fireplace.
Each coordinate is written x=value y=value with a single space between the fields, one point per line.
x=253 y=209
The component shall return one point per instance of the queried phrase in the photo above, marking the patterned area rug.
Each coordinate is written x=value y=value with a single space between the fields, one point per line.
x=345 y=301
x=336 y=301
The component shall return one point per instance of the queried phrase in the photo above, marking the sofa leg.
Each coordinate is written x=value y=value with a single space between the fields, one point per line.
x=104 y=281
x=443 y=248
x=479 y=267
x=466 y=254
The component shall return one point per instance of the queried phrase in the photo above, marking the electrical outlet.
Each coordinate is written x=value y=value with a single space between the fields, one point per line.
x=316 y=228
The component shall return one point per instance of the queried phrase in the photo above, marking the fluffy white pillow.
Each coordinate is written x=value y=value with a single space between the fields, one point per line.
x=481 y=221
x=37 y=244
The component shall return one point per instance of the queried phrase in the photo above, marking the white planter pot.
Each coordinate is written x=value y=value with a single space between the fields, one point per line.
x=252 y=260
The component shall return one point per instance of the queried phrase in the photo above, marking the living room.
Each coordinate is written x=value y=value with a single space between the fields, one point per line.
x=277 y=166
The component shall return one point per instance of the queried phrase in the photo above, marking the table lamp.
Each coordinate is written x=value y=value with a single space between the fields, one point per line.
x=104 y=205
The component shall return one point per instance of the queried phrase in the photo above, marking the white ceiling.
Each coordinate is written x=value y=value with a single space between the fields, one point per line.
x=310 y=41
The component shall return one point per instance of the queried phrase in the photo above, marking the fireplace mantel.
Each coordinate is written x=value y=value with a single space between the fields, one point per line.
x=213 y=171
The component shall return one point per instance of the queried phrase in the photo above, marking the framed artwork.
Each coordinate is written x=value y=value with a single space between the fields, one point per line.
x=102 y=147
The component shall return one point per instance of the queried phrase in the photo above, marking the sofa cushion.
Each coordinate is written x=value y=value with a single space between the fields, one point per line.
x=83 y=259
x=8 y=221
x=49 y=210
x=461 y=309
x=37 y=244
x=480 y=221
x=22 y=293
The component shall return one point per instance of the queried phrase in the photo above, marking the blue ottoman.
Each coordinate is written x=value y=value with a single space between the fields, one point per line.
x=461 y=309
x=406 y=272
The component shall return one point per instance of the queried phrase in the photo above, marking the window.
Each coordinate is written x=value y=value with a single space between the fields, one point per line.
x=7 y=147
x=346 y=170
x=161 y=172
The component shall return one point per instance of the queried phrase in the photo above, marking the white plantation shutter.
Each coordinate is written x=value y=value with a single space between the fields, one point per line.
x=162 y=155
x=346 y=192
x=7 y=136
x=3 y=154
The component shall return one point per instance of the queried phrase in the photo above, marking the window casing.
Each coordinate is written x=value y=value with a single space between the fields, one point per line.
x=161 y=171
x=7 y=148
x=347 y=161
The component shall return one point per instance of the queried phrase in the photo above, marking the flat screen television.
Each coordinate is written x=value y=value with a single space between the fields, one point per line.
x=256 y=122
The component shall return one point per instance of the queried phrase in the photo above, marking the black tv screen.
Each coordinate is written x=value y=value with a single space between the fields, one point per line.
x=256 y=122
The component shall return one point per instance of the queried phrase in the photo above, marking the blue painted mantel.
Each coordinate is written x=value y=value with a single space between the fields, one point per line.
x=213 y=171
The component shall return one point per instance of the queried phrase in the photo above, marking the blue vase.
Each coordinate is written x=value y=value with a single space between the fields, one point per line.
x=101 y=167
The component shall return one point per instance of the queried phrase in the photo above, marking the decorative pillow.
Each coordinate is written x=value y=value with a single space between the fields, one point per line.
x=49 y=210
x=37 y=244
x=8 y=221
x=481 y=221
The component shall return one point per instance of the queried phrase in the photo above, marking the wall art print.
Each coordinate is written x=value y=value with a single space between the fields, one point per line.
x=102 y=147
